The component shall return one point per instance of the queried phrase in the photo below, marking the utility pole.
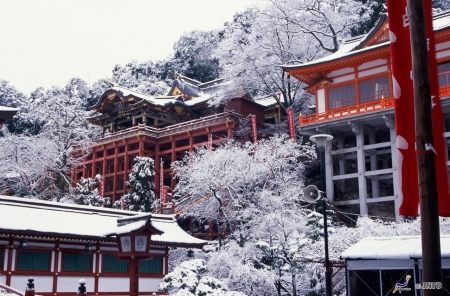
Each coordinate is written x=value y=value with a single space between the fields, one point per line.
x=430 y=234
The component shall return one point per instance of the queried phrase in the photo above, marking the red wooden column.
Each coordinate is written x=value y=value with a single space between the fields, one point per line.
x=104 y=162
x=173 y=158
x=93 y=161
x=125 y=165
x=157 y=168
x=229 y=130
x=191 y=142
x=134 y=277
x=141 y=146
x=10 y=261
x=116 y=166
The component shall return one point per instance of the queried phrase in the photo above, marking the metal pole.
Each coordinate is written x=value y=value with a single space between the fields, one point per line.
x=325 y=230
x=431 y=251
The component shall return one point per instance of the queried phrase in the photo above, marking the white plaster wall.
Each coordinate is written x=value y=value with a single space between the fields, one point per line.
x=13 y=263
x=42 y=283
x=100 y=258
x=52 y=264
x=372 y=71
x=443 y=45
x=443 y=54
x=5 y=261
x=149 y=284
x=157 y=252
x=59 y=261
x=4 y=242
x=340 y=72
x=344 y=78
x=321 y=100
x=113 y=284
x=70 y=283
x=371 y=64
x=2 y=279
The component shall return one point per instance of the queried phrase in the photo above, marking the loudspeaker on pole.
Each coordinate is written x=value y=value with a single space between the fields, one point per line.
x=311 y=194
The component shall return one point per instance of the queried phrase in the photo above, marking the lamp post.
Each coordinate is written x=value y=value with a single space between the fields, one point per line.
x=321 y=142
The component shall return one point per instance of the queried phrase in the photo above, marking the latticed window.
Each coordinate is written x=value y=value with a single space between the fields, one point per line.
x=153 y=265
x=111 y=264
x=341 y=96
x=374 y=89
x=444 y=74
x=33 y=260
x=76 y=262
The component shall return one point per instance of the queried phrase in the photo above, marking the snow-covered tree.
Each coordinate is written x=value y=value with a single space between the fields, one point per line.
x=39 y=148
x=10 y=96
x=87 y=193
x=236 y=182
x=189 y=278
x=192 y=56
x=142 y=195
x=146 y=77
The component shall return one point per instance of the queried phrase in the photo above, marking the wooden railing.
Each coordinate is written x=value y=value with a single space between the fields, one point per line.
x=444 y=92
x=142 y=129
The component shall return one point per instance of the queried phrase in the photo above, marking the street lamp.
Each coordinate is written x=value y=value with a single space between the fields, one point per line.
x=321 y=142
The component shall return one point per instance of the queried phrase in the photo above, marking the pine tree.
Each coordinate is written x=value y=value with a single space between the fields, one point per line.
x=142 y=196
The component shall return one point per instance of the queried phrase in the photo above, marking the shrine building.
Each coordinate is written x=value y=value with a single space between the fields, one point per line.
x=354 y=103
x=163 y=128
x=116 y=252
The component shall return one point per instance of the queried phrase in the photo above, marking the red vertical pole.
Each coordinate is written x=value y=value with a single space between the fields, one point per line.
x=134 y=277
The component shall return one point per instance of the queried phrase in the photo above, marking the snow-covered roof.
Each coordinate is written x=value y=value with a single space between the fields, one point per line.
x=4 y=108
x=171 y=234
x=160 y=100
x=351 y=46
x=36 y=217
x=395 y=247
x=6 y=113
x=345 y=50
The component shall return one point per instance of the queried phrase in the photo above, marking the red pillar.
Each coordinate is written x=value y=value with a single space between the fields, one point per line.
x=134 y=277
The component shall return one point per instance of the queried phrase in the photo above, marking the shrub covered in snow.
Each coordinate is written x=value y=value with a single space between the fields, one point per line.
x=189 y=278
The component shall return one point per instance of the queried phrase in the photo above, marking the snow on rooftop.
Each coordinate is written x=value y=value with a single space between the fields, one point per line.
x=344 y=50
x=70 y=220
x=396 y=247
x=4 y=108
x=160 y=100
x=197 y=100
x=440 y=21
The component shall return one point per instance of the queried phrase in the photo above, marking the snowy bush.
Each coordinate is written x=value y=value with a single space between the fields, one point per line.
x=189 y=278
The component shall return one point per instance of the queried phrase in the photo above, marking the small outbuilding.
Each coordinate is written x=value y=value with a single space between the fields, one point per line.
x=58 y=244
x=384 y=265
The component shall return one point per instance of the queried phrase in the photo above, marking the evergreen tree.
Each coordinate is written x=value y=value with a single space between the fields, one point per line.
x=142 y=196
x=87 y=193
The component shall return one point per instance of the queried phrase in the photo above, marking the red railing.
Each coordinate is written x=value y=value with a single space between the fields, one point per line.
x=348 y=111
x=444 y=92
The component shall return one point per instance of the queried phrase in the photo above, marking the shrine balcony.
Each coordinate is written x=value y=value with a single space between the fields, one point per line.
x=170 y=130
x=351 y=110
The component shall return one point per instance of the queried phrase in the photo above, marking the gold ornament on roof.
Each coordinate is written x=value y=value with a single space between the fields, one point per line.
x=179 y=109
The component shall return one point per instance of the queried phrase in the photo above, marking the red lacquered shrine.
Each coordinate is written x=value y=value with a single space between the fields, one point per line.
x=165 y=127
